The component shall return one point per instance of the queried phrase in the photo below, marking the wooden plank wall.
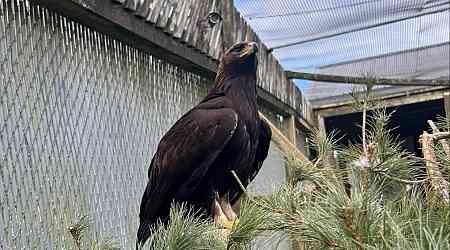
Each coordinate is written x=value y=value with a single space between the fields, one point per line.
x=185 y=20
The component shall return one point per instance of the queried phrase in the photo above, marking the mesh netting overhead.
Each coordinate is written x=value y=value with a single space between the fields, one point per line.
x=382 y=38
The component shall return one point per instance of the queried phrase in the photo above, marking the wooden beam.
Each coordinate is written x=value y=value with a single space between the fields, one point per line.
x=275 y=104
x=365 y=81
x=285 y=145
x=227 y=24
x=291 y=133
x=321 y=123
x=394 y=100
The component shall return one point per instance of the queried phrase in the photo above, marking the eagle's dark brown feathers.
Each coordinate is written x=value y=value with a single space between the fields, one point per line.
x=222 y=133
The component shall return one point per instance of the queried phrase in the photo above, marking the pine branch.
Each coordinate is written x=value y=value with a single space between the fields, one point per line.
x=438 y=183
x=241 y=186
x=78 y=230
x=442 y=141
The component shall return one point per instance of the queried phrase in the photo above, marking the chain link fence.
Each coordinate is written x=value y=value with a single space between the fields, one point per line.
x=80 y=117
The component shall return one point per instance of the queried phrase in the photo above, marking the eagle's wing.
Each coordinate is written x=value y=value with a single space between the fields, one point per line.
x=265 y=135
x=185 y=153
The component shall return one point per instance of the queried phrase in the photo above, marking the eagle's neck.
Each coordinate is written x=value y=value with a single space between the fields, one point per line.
x=238 y=83
x=237 y=87
x=241 y=90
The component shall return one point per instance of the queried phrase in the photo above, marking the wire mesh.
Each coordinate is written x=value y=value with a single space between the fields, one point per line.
x=427 y=63
x=398 y=39
x=80 y=117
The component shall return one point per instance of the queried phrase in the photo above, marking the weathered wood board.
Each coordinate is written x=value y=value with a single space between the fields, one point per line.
x=186 y=21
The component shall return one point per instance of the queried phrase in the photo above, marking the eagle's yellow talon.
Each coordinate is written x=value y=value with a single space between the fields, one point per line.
x=228 y=224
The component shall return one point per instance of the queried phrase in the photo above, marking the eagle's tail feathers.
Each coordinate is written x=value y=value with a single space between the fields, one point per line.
x=143 y=234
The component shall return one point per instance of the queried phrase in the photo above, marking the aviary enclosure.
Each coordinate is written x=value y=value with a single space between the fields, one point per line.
x=87 y=89
x=81 y=115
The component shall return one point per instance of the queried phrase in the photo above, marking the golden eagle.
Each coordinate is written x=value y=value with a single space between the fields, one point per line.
x=194 y=159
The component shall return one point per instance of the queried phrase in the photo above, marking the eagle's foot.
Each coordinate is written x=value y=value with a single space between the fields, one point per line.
x=223 y=214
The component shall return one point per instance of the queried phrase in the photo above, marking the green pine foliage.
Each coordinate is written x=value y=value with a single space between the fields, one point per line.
x=186 y=230
x=370 y=196
x=80 y=232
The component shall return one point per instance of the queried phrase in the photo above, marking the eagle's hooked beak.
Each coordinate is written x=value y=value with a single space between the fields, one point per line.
x=250 y=48
x=253 y=47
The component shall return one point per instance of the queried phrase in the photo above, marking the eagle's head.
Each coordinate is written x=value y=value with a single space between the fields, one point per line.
x=240 y=59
